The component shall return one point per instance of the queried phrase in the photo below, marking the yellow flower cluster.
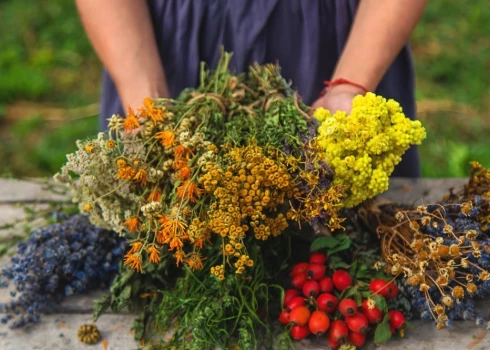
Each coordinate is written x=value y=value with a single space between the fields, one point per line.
x=364 y=147
x=250 y=184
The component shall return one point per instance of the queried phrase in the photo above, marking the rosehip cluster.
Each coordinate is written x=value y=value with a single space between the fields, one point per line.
x=316 y=305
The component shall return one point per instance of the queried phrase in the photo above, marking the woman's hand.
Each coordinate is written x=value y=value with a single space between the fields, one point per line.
x=337 y=98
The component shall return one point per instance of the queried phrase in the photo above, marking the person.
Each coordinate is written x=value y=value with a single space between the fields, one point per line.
x=154 y=48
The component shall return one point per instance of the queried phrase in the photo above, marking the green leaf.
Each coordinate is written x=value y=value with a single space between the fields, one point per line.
x=353 y=268
x=380 y=302
x=100 y=305
x=366 y=294
x=324 y=242
x=383 y=333
x=345 y=244
x=348 y=292
x=358 y=298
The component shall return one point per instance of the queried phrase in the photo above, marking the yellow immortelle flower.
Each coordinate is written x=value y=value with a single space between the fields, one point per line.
x=364 y=147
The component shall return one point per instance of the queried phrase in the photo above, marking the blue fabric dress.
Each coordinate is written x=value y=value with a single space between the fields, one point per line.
x=305 y=37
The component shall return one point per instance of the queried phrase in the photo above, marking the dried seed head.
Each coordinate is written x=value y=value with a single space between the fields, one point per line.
x=484 y=275
x=447 y=300
x=471 y=234
x=471 y=288
x=439 y=309
x=458 y=292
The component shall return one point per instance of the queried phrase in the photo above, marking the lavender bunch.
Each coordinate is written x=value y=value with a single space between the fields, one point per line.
x=67 y=258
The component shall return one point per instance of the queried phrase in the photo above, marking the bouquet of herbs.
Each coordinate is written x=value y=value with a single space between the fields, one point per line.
x=200 y=184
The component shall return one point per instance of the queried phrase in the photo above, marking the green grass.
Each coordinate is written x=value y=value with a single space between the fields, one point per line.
x=46 y=58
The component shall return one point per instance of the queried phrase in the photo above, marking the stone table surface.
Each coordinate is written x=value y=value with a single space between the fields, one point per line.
x=58 y=329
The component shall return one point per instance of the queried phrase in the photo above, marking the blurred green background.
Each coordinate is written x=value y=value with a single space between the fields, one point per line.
x=50 y=84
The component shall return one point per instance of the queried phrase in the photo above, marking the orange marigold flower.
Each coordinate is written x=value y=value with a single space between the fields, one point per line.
x=174 y=227
x=132 y=224
x=150 y=111
x=194 y=262
x=167 y=138
x=182 y=152
x=154 y=255
x=179 y=164
x=141 y=177
x=126 y=173
x=162 y=219
x=198 y=243
x=185 y=173
x=179 y=256
x=188 y=190
x=154 y=196
x=135 y=247
x=133 y=261
x=176 y=242
x=131 y=122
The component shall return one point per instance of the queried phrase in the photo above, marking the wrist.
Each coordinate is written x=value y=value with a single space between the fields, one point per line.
x=341 y=85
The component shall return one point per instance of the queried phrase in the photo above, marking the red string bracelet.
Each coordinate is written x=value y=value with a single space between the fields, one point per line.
x=341 y=81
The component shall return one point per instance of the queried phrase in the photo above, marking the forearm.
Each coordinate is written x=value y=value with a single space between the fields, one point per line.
x=380 y=30
x=122 y=36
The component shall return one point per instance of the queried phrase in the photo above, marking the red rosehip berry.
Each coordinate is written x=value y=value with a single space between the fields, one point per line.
x=298 y=268
x=348 y=307
x=332 y=343
x=384 y=288
x=295 y=302
x=319 y=322
x=357 y=339
x=311 y=289
x=338 y=331
x=327 y=302
x=299 y=279
x=284 y=317
x=300 y=332
x=397 y=320
x=290 y=294
x=342 y=280
x=374 y=315
x=326 y=285
x=316 y=272
x=357 y=323
x=318 y=258
x=300 y=316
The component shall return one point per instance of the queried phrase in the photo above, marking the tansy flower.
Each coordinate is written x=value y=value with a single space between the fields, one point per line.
x=87 y=207
x=141 y=177
x=188 y=190
x=154 y=255
x=131 y=122
x=133 y=261
x=110 y=143
x=132 y=224
x=167 y=138
x=185 y=173
x=89 y=148
x=154 y=196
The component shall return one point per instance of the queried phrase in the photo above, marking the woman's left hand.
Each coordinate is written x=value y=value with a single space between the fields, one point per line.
x=337 y=98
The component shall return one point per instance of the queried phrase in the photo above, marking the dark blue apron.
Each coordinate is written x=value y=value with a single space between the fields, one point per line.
x=305 y=37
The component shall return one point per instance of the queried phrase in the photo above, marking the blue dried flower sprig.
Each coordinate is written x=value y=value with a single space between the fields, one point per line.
x=64 y=259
